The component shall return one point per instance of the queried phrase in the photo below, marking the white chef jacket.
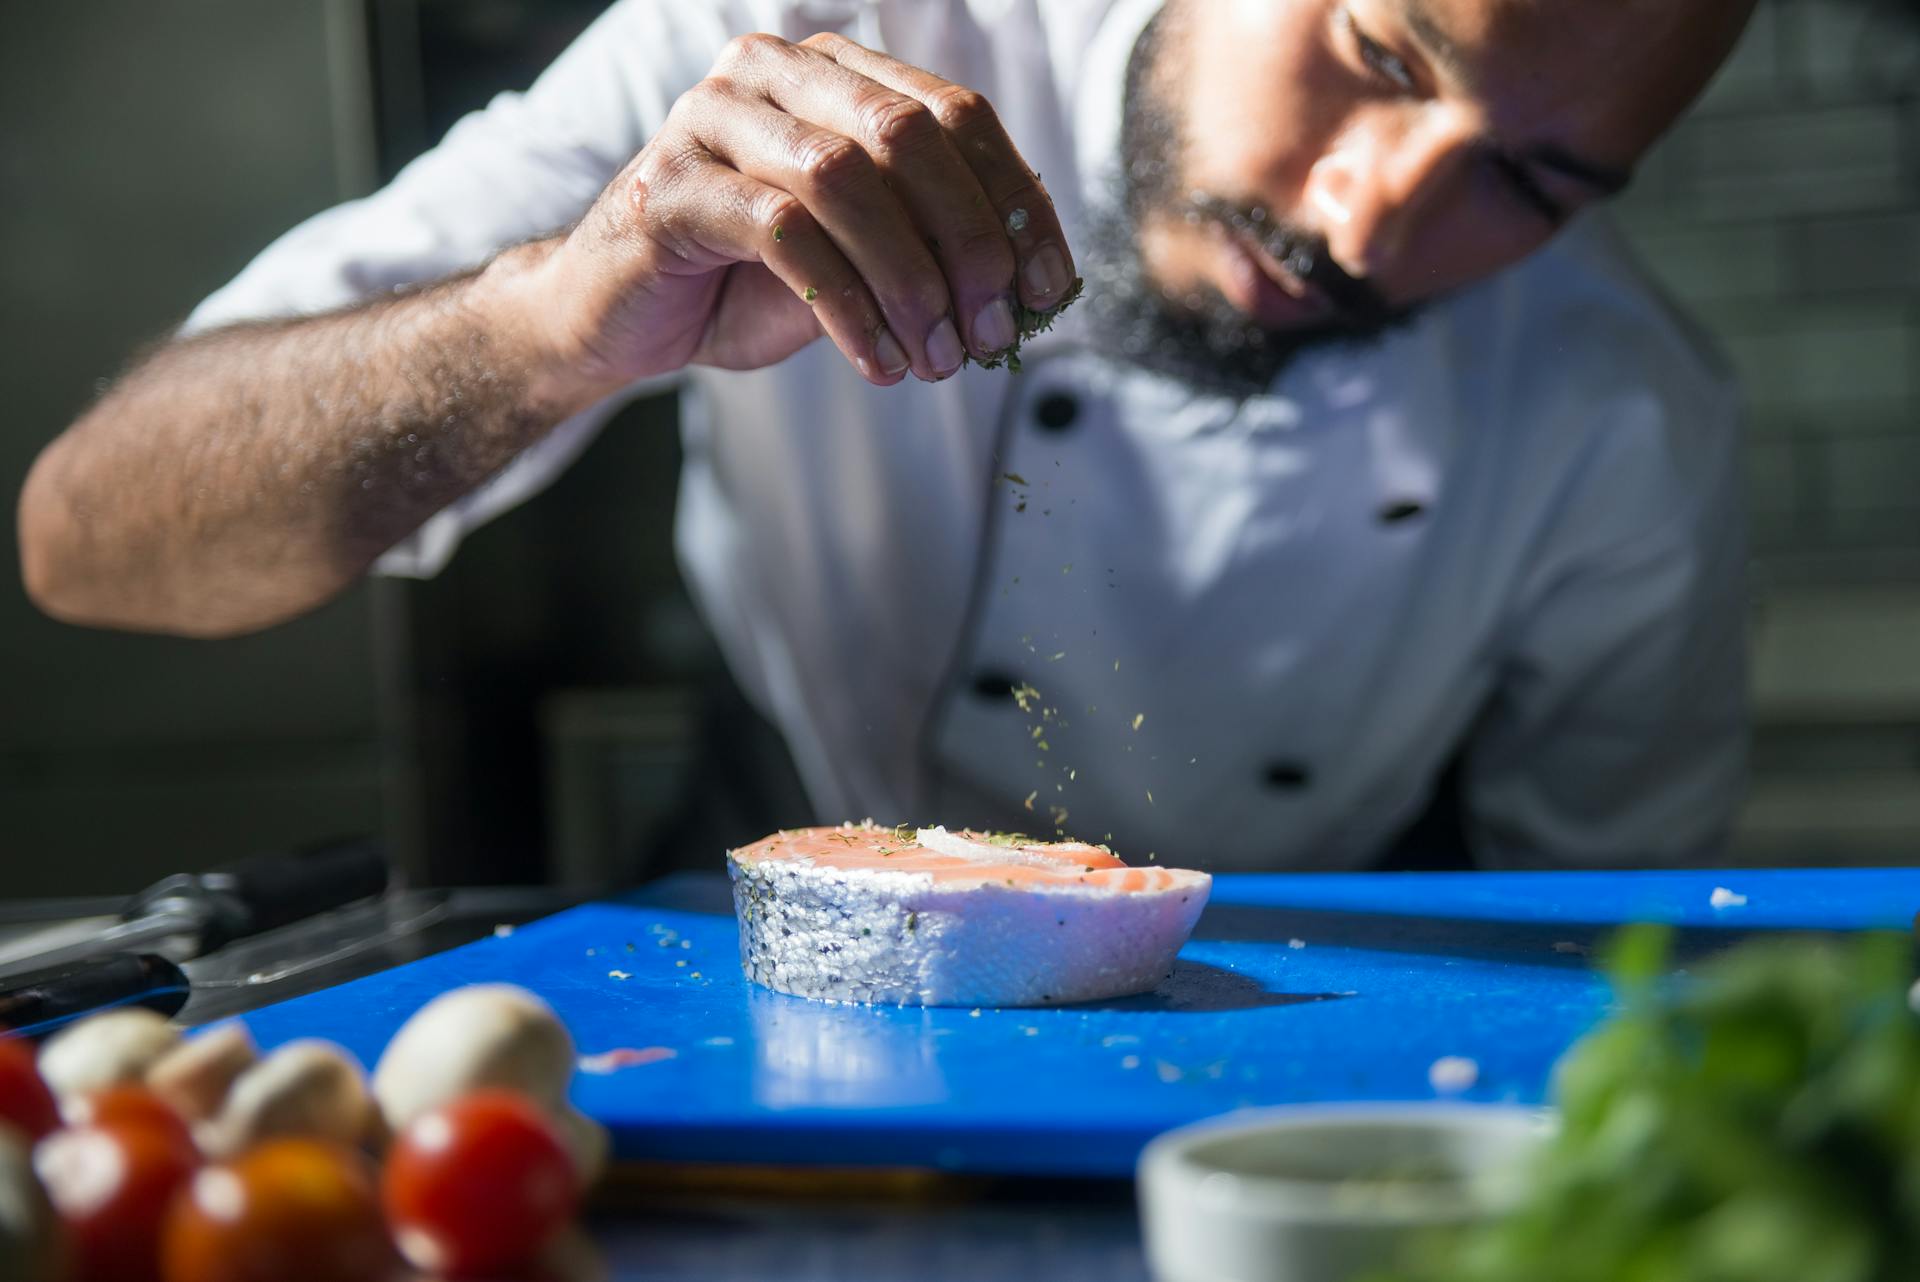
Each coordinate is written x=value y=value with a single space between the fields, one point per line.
x=1257 y=629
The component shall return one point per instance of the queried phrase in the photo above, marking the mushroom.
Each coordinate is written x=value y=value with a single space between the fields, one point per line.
x=486 y=1035
x=29 y=1244
x=195 y=1076
x=308 y=1088
x=108 y=1049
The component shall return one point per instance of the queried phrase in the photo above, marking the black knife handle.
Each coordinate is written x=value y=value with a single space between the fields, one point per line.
x=37 y=1002
x=264 y=891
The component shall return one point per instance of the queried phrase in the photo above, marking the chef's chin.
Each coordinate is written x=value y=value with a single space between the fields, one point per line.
x=1231 y=332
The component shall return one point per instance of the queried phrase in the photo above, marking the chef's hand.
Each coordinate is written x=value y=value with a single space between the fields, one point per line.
x=803 y=189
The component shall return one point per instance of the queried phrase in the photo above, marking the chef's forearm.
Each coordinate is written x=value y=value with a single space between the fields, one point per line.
x=242 y=477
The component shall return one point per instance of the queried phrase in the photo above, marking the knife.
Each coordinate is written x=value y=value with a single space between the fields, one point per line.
x=190 y=914
x=38 y=1002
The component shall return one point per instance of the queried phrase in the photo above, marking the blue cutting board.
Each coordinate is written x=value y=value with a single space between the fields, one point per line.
x=1294 y=988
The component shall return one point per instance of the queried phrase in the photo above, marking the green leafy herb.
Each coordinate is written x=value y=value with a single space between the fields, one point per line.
x=1757 y=1123
x=809 y=293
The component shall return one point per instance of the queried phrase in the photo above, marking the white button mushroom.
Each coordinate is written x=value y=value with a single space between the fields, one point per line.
x=195 y=1076
x=109 y=1049
x=481 y=1036
x=306 y=1088
x=29 y=1246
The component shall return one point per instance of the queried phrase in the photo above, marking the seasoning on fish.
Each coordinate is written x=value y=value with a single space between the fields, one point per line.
x=935 y=918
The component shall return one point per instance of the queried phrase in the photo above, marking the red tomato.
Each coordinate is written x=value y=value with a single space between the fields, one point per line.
x=478 y=1186
x=288 y=1209
x=129 y=1105
x=25 y=1101
x=111 y=1187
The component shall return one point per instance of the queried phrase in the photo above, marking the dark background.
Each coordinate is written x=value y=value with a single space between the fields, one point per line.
x=535 y=711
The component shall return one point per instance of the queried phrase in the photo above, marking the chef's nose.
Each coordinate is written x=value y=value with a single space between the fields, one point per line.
x=1381 y=176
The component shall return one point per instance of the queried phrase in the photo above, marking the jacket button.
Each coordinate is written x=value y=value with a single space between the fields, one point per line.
x=993 y=685
x=1056 y=411
x=1401 y=510
x=1287 y=776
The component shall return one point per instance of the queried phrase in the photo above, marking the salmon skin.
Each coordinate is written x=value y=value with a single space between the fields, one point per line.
x=927 y=917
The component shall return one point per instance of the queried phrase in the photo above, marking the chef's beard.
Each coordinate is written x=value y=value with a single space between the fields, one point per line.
x=1199 y=337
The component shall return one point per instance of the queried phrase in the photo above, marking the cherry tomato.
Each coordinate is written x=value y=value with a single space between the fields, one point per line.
x=290 y=1208
x=111 y=1187
x=128 y=1105
x=478 y=1186
x=25 y=1101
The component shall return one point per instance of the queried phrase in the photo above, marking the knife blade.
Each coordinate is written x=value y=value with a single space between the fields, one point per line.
x=191 y=914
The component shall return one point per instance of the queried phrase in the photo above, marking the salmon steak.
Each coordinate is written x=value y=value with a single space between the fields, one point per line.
x=927 y=917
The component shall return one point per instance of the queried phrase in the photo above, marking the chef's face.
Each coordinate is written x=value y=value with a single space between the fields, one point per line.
x=1326 y=165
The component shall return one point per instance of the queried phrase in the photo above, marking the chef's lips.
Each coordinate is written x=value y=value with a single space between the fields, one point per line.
x=1357 y=307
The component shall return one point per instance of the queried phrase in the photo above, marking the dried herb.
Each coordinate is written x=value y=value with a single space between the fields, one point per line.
x=1029 y=323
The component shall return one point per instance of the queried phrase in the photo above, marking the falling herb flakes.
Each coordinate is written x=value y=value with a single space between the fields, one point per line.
x=1028 y=803
x=1025 y=695
x=1030 y=322
x=1056 y=656
x=1015 y=478
x=1138 y=717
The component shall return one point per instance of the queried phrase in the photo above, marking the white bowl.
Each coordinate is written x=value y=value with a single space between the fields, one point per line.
x=1325 y=1193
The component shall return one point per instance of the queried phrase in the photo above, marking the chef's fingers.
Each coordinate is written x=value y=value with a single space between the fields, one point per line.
x=849 y=201
x=911 y=152
x=701 y=209
x=1024 y=211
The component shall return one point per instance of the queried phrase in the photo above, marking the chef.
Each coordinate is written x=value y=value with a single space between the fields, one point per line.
x=1369 y=447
